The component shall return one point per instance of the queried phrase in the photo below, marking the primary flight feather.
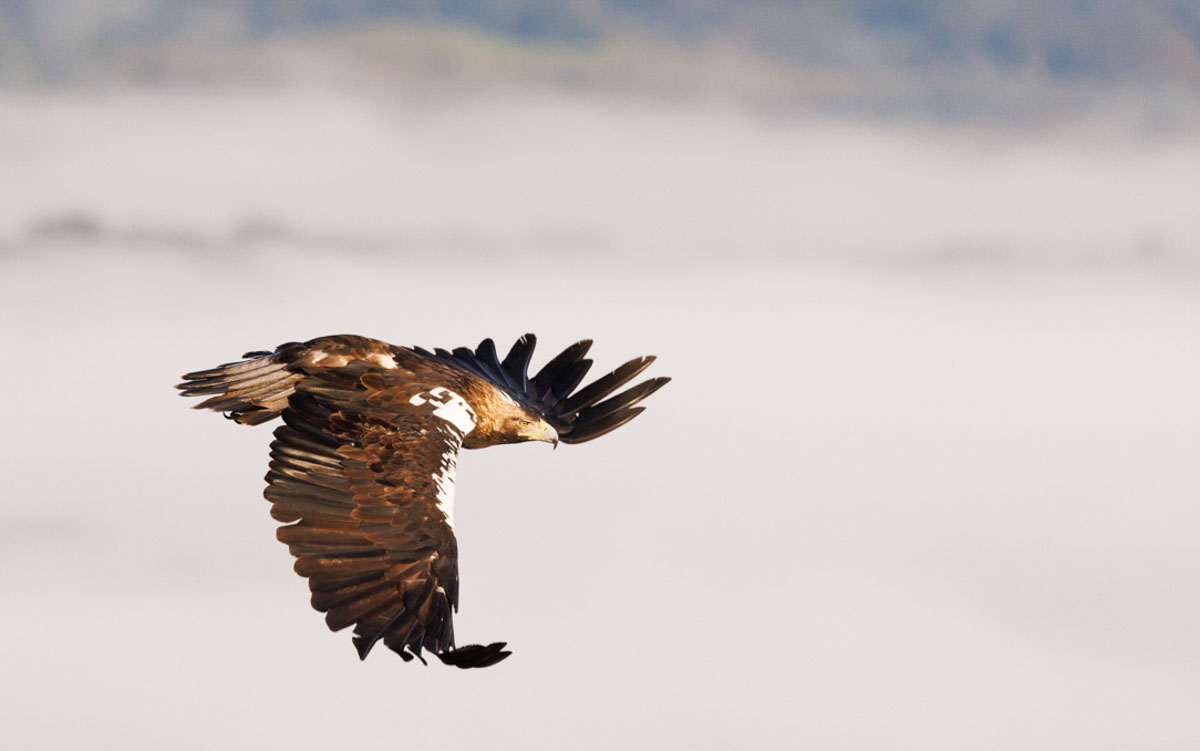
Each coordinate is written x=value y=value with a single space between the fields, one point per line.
x=362 y=468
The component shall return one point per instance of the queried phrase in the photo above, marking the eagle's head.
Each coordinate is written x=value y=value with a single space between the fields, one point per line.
x=530 y=427
x=505 y=420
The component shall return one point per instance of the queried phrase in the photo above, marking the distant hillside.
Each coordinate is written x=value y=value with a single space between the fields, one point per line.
x=999 y=58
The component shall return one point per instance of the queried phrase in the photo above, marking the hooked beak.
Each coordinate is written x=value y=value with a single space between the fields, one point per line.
x=547 y=433
x=540 y=431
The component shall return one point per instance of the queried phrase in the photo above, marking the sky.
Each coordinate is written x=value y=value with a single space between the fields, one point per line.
x=924 y=476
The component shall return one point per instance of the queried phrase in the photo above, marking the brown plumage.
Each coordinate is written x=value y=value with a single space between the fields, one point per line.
x=362 y=468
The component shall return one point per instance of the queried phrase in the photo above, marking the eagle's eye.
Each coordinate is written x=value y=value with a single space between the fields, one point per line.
x=523 y=422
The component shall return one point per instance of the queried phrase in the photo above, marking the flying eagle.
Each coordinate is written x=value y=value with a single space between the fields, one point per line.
x=362 y=468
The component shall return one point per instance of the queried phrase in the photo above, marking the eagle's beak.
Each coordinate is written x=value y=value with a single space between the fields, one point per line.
x=548 y=434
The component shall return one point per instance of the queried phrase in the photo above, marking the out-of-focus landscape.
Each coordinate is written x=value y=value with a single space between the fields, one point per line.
x=926 y=275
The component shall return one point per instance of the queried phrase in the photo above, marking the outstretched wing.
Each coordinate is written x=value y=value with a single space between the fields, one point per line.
x=255 y=390
x=362 y=473
x=578 y=415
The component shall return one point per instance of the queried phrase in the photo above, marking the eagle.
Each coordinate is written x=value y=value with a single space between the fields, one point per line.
x=363 y=465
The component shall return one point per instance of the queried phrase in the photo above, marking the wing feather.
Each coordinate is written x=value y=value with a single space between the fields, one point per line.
x=516 y=362
x=578 y=415
x=355 y=473
x=604 y=426
x=550 y=372
x=604 y=386
x=361 y=474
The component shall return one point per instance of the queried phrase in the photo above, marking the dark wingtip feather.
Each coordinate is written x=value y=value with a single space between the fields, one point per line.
x=625 y=399
x=577 y=415
x=516 y=362
x=486 y=357
x=570 y=379
x=601 y=427
x=363 y=645
x=475 y=655
x=552 y=370
x=605 y=385
x=487 y=350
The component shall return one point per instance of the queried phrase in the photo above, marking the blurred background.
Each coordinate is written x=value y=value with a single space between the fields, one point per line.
x=926 y=275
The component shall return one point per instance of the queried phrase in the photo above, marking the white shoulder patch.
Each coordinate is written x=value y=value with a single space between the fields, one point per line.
x=382 y=360
x=449 y=406
x=325 y=359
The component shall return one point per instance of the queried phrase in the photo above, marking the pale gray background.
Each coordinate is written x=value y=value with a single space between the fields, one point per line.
x=926 y=476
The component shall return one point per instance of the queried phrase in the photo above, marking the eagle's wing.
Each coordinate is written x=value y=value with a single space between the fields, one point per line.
x=578 y=414
x=362 y=472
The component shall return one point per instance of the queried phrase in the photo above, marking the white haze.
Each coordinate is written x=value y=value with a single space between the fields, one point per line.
x=509 y=173
x=926 y=476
